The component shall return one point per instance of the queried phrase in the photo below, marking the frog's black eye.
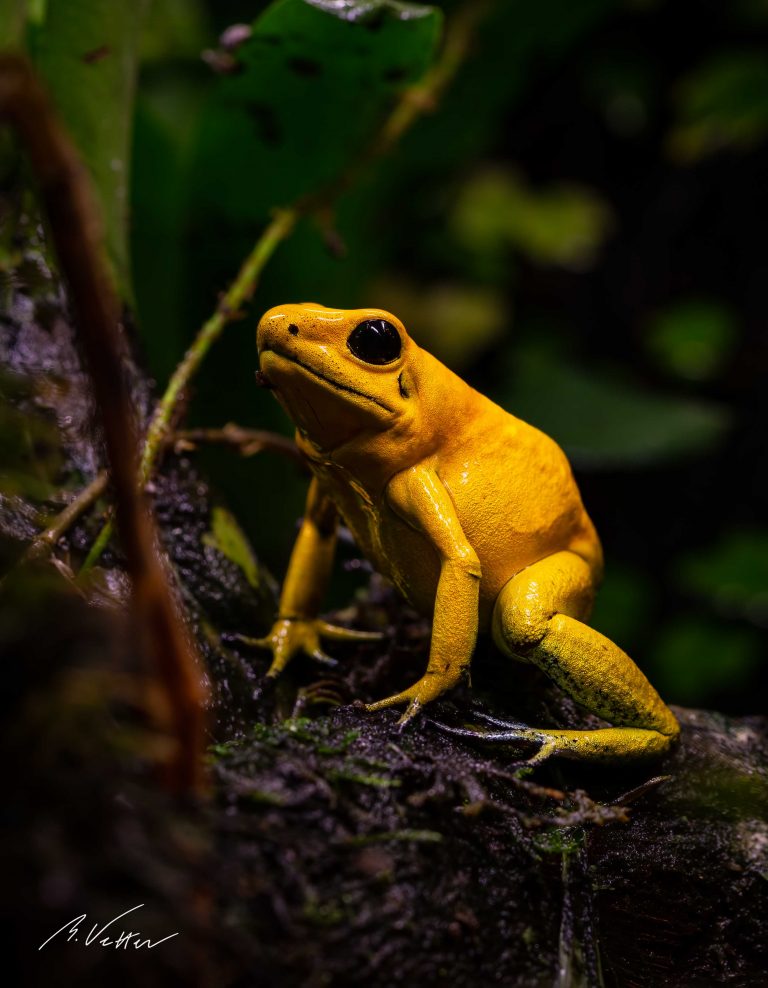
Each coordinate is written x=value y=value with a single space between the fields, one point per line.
x=375 y=341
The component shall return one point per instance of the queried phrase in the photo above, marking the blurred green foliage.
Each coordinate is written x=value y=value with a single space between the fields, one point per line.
x=692 y=338
x=722 y=104
x=574 y=229
x=562 y=224
x=602 y=417
x=731 y=575
x=693 y=656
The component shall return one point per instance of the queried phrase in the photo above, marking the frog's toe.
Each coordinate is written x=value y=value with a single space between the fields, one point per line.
x=510 y=731
x=279 y=662
x=390 y=701
x=407 y=696
x=547 y=749
x=322 y=657
x=336 y=633
x=263 y=687
x=254 y=642
x=411 y=711
x=416 y=696
x=502 y=722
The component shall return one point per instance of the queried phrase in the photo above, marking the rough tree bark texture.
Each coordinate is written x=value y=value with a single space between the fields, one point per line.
x=336 y=850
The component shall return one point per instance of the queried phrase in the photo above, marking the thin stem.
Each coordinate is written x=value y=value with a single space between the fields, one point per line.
x=45 y=542
x=228 y=308
x=100 y=543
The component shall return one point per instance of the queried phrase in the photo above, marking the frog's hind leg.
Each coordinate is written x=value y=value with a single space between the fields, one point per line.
x=539 y=617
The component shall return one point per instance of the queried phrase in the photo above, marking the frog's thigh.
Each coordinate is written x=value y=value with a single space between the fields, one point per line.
x=539 y=616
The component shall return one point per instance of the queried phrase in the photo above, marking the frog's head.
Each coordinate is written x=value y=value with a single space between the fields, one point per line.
x=338 y=372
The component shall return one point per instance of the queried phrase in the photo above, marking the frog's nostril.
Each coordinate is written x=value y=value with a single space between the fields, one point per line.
x=293 y=329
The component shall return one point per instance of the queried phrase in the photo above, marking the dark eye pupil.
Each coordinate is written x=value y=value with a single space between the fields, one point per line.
x=375 y=341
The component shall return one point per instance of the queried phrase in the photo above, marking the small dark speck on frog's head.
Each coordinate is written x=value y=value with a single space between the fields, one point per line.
x=293 y=329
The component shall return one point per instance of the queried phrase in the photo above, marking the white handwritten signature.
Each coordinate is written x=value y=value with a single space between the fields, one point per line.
x=96 y=937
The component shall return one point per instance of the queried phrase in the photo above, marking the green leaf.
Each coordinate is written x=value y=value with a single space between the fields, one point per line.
x=722 y=104
x=602 y=421
x=310 y=87
x=228 y=538
x=732 y=574
x=692 y=338
x=86 y=53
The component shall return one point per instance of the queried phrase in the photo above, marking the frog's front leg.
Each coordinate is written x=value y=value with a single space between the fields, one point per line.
x=539 y=617
x=419 y=497
x=298 y=628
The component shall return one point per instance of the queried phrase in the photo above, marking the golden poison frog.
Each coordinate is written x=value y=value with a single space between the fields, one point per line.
x=473 y=514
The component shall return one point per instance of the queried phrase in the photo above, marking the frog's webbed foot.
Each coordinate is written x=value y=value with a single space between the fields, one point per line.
x=292 y=635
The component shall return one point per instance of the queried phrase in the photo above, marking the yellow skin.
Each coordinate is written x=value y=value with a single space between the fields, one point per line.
x=473 y=515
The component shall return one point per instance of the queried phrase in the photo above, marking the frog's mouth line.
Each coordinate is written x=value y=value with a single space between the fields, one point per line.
x=323 y=377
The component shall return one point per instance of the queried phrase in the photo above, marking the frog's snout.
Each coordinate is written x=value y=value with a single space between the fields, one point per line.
x=275 y=327
x=287 y=326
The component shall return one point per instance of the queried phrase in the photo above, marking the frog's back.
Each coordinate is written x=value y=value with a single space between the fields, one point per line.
x=515 y=495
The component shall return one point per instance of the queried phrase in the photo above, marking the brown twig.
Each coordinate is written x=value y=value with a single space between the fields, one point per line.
x=75 y=228
x=247 y=441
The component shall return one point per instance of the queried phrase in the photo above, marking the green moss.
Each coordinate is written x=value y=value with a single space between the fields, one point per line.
x=222 y=750
x=559 y=840
x=377 y=781
x=263 y=798
x=329 y=913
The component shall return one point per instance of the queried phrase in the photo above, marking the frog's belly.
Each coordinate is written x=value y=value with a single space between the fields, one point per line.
x=399 y=552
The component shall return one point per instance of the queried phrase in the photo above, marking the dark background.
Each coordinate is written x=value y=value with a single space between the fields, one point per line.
x=579 y=230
